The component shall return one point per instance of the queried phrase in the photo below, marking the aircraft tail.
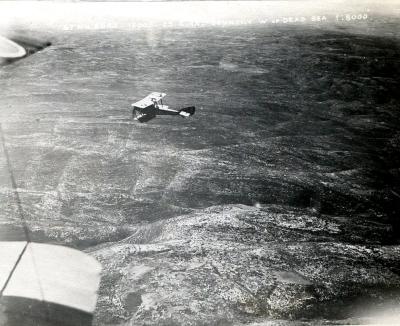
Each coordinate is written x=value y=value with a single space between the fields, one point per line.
x=187 y=112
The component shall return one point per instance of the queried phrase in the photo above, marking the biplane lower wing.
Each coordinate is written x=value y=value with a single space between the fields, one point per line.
x=45 y=284
x=145 y=117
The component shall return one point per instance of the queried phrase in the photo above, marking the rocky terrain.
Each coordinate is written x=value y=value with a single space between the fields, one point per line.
x=236 y=263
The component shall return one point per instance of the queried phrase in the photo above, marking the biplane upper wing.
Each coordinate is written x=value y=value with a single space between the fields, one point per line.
x=149 y=100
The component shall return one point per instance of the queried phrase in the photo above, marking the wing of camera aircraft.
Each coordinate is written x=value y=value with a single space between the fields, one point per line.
x=44 y=284
x=18 y=46
x=10 y=49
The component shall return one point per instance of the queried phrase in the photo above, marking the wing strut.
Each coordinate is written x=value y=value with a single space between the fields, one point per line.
x=21 y=216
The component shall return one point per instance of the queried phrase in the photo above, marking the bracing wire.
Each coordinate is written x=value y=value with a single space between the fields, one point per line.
x=14 y=187
x=21 y=216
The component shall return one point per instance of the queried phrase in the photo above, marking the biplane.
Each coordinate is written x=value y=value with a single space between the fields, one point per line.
x=152 y=105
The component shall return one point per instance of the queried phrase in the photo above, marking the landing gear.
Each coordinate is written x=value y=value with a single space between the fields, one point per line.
x=136 y=114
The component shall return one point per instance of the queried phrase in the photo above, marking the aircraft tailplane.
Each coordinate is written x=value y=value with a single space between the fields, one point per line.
x=187 y=112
